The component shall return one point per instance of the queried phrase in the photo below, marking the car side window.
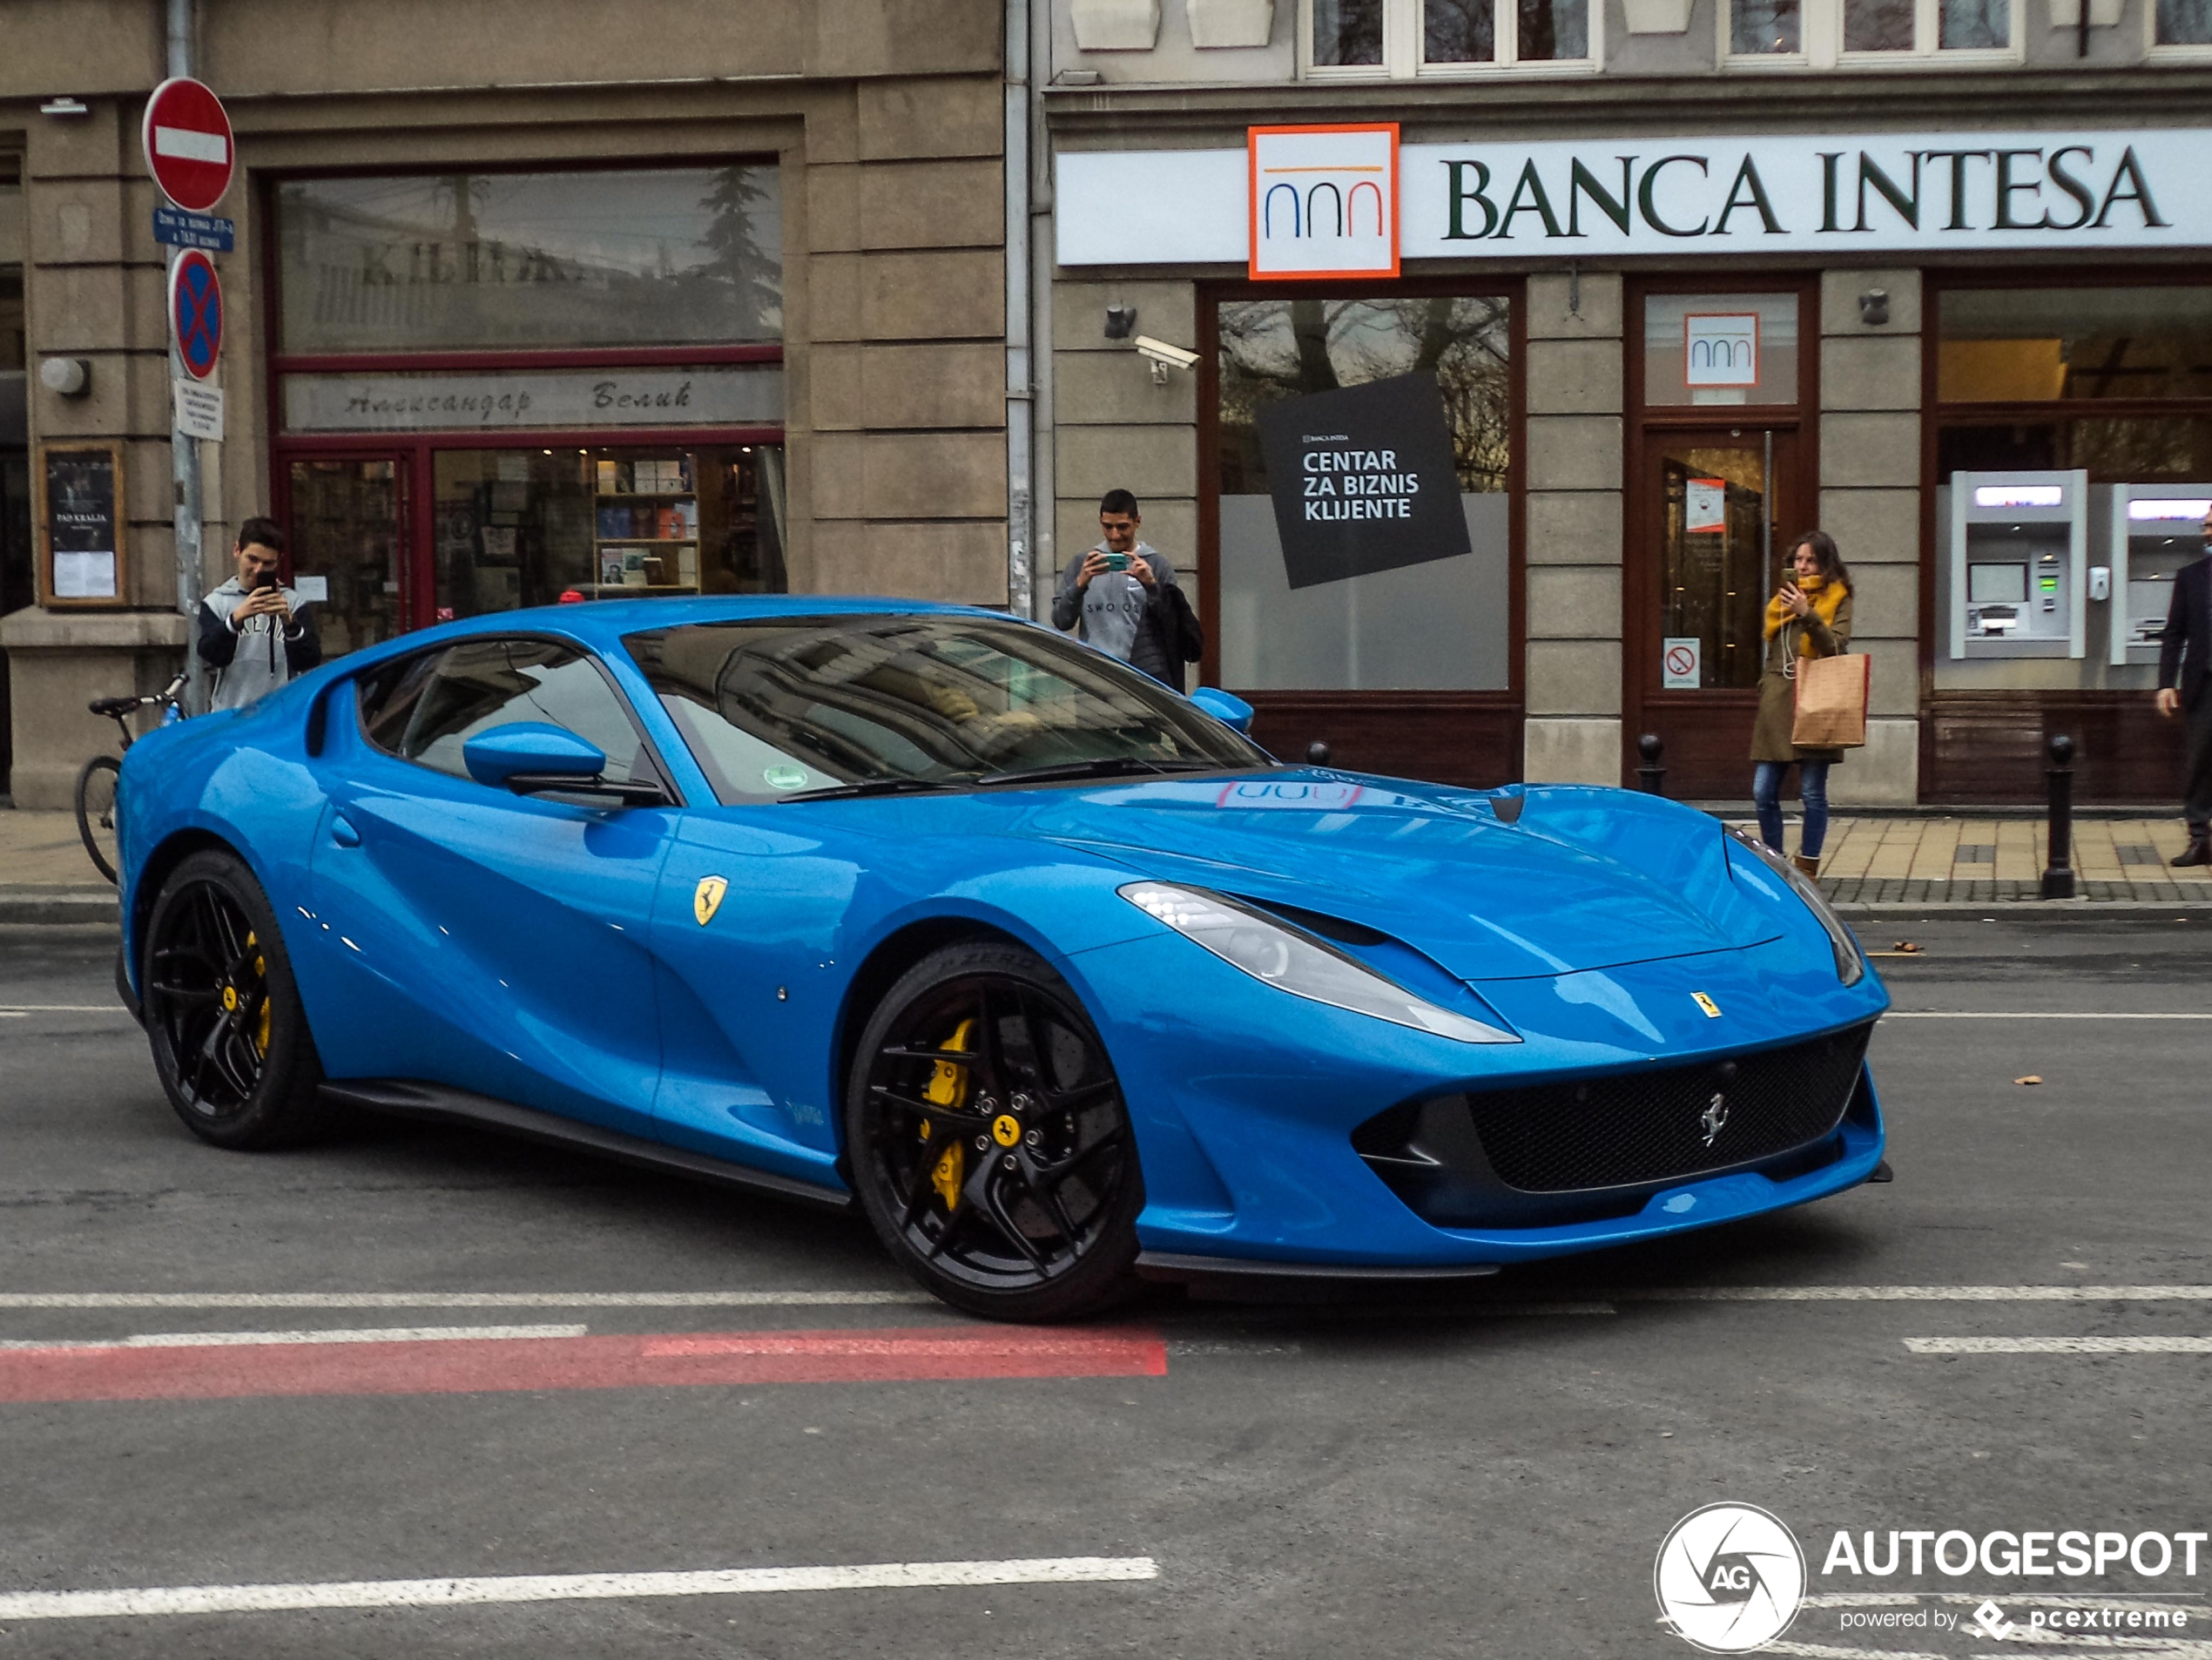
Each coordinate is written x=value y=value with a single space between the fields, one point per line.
x=429 y=706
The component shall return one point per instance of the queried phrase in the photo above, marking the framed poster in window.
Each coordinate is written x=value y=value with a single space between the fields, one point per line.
x=81 y=517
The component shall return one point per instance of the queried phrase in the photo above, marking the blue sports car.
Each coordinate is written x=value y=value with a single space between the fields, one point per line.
x=1048 y=969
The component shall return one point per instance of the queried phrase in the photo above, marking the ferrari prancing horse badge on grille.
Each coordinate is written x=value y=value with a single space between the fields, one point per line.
x=708 y=898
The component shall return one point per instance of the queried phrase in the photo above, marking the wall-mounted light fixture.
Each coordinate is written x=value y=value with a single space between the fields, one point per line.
x=1874 y=307
x=1120 y=320
x=64 y=105
x=68 y=377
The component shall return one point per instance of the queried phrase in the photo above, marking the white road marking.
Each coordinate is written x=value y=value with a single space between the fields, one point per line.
x=2059 y=1344
x=1914 y=1295
x=65 y=1008
x=458 y=1299
x=2065 y=1013
x=561 y=1587
x=344 y=1334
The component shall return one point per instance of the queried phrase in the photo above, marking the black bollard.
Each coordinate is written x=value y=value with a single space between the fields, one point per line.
x=1316 y=753
x=2058 y=875
x=1651 y=776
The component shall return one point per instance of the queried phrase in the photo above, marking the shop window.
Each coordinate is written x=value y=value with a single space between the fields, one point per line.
x=1405 y=37
x=546 y=261
x=1439 y=622
x=2182 y=23
x=1720 y=349
x=2036 y=345
x=527 y=527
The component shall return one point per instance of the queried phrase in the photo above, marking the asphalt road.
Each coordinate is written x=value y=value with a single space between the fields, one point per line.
x=1427 y=1478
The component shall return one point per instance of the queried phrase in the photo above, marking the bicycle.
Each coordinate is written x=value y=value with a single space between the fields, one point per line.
x=96 y=778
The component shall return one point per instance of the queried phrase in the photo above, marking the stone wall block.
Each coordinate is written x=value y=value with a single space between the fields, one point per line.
x=1885 y=603
x=1895 y=686
x=916 y=36
x=1574 y=453
x=1116 y=388
x=961 y=561
x=1870 y=449
x=1839 y=292
x=121 y=401
x=934 y=475
x=835 y=401
x=83 y=309
x=1574 y=527
x=1093 y=460
x=1574 y=602
x=834 y=304
x=932 y=204
x=77 y=221
x=1874 y=526
x=1571 y=751
x=1870 y=371
x=1574 y=377
x=957 y=385
x=103 y=143
x=939 y=295
x=1574 y=677
x=835 y=472
x=1887 y=772
x=832 y=208
x=1166 y=311
x=940 y=116
x=1598 y=317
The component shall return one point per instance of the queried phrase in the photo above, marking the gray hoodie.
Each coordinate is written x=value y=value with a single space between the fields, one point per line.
x=1116 y=613
x=253 y=659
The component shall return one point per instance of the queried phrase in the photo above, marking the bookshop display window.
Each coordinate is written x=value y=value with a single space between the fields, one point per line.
x=500 y=389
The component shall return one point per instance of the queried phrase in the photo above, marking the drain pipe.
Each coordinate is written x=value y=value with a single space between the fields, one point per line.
x=184 y=449
x=1021 y=501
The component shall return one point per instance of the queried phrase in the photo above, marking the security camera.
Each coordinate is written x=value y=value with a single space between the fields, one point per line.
x=1160 y=352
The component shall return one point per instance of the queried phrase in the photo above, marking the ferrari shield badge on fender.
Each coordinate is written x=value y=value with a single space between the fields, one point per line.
x=1712 y=1009
x=707 y=898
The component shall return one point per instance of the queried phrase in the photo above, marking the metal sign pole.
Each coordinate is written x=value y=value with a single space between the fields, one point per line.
x=184 y=449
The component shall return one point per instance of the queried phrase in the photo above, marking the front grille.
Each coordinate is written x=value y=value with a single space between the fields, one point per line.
x=1651 y=1126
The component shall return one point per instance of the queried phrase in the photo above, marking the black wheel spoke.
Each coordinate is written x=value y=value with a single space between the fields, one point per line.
x=929 y=1110
x=1081 y=1095
x=992 y=1206
x=191 y=997
x=1048 y=1198
x=1054 y=1174
x=206 y=999
x=908 y=1052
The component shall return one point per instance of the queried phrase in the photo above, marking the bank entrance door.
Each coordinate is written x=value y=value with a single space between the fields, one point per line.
x=1715 y=508
x=349 y=526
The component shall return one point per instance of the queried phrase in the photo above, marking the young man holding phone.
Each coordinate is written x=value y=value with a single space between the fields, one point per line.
x=1116 y=597
x=253 y=632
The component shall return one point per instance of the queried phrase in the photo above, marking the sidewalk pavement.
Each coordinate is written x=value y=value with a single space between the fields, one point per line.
x=46 y=878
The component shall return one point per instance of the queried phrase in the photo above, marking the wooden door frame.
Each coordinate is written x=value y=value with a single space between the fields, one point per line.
x=1641 y=551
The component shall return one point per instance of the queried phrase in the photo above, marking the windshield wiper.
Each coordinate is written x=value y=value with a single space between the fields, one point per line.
x=870 y=787
x=1100 y=766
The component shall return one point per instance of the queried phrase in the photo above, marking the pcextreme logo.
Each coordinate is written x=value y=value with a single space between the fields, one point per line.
x=1729 y=1578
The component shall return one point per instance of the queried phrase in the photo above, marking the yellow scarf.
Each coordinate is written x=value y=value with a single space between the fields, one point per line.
x=1827 y=598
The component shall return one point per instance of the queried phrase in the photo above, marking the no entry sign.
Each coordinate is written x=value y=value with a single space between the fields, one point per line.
x=188 y=146
x=196 y=313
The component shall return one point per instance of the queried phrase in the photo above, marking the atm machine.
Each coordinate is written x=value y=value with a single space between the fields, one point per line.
x=2156 y=528
x=2019 y=559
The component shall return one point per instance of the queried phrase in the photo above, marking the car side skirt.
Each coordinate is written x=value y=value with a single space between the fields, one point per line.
x=439 y=1104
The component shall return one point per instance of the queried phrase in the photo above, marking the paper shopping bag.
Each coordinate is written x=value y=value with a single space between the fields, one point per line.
x=1831 y=702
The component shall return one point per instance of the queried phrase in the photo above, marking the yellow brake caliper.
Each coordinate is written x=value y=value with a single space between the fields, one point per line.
x=261 y=1027
x=948 y=1087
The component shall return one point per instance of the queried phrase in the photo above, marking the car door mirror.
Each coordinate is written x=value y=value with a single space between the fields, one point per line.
x=1225 y=707
x=517 y=756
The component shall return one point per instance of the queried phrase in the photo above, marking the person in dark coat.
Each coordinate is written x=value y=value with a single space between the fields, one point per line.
x=1810 y=615
x=2184 y=664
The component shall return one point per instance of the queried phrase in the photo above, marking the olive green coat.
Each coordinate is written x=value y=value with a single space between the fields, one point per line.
x=1778 y=690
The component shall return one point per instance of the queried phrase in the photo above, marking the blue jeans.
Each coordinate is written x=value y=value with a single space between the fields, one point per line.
x=1812 y=789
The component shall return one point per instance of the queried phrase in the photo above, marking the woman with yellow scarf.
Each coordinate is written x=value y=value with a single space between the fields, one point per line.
x=1808 y=616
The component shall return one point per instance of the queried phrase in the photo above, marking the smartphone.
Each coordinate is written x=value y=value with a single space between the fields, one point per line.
x=268 y=579
x=1118 y=562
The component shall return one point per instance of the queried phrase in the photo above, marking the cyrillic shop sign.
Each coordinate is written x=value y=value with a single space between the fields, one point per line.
x=1846 y=195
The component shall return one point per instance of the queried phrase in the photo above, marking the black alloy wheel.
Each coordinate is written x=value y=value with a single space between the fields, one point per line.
x=230 y=1041
x=989 y=1139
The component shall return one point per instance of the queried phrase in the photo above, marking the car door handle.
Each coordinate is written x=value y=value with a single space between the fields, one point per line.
x=342 y=831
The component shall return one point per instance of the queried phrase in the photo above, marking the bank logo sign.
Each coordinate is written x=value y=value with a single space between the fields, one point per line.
x=1322 y=201
x=1291 y=204
x=1729 y=1578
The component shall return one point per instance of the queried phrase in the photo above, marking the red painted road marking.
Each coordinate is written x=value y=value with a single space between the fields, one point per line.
x=119 y=1373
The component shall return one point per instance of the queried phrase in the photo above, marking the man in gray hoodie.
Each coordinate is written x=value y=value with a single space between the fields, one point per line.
x=252 y=630
x=1116 y=597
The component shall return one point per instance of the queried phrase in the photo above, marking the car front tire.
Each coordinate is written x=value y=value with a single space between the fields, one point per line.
x=989 y=1141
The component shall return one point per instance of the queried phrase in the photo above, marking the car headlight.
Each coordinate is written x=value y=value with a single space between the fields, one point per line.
x=1851 y=962
x=1297 y=963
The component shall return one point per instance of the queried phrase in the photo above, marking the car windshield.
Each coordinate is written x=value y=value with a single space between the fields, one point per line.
x=788 y=707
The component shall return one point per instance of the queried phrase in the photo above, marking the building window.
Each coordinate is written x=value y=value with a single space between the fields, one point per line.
x=1895 y=27
x=2182 y=23
x=1824 y=33
x=1401 y=39
x=532 y=260
x=2064 y=345
x=1770 y=28
x=1435 y=623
